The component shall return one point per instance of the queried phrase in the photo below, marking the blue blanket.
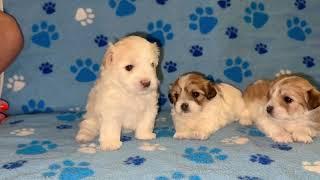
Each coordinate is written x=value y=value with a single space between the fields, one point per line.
x=42 y=146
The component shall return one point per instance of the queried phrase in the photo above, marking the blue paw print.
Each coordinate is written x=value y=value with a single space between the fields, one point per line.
x=298 y=29
x=16 y=122
x=251 y=131
x=49 y=7
x=210 y=78
x=101 y=40
x=33 y=107
x=236 y=70
x=282 y=147
x=308 y=61
x=196 y=51
x=162 y=99
x=136 y=160
x=203 y=20
x=44 y=34
x=123 y=7
x=261 y=159
x=46 y=68
x=85 y=71
x=224 y=3
x=249 y=178
x=203 y=155
x=178 y=175
x=300 y=4
x=170 y=66
x=232 y=32
x=161 y=2
x=14 y=165
x=64 y=126
x=125 y=138
x=69 y=116
x=159 y=32
x=261 y=48
x=35 y=147
x=256 y=15
x=69 y=170
x=164 y=131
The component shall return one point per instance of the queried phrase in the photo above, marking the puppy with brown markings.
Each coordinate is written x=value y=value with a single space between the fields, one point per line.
x=200 y=107
x=281 y=108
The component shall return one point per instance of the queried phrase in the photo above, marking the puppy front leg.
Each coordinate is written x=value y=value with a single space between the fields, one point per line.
x=144 y=129
x=274 y=131
x=302 y=134
x=110 y=133
x=89 y=129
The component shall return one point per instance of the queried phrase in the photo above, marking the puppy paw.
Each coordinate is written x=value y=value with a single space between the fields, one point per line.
x=146 y=136
x=110 y=145
x=245 y=122
x=201 y=135
x=302 y=138
x=282 y=137
x=83 y=138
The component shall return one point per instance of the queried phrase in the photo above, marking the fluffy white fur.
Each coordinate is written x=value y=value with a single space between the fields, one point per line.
x=205 y=119
x=118 y=99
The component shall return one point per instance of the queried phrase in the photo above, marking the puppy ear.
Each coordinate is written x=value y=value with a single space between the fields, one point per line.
x=313 y=99
x=107 y=58
x=211 y=91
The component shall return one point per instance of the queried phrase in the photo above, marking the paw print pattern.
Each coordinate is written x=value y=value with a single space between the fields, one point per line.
x=159 y=32
x=312 y=166
x=204 y=155
x=44 y=34
x=232 y=32
x=123 y=7
x=261 y=48
x=210 y=78
x=162 y=99
x=298 y=29
x=16 y=83
x=64 y=126
x=164 y=131
x=69 y=170
x=46 y=68
x=196 y=51
x=14 y=165
x=36 y=147
x=256 y=15
x=308 y=61
x=236 y=70
x=203 y=20
x=73 y=115
x=249 y=178
x=177 y=175
x=101 y=40
x=136 y=161
x=85 y=16
x=33 y=107
x=16 y=122
x=49 y=7
x=251 y=131
x=170 y=66
x=91 y=148
x=161 y=2
x=224 y=3
x=125 y=138
x=300 y=4
x=23 y=132
x=282 y=147
x=261 y=159
x=85 y=71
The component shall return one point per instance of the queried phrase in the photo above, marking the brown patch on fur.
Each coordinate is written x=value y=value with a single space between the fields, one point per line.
x=313 y=99
x=174 y=92
x=257 y=91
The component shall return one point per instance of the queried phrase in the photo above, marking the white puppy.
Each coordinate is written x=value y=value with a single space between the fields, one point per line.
x=125 y=96
x=282 y=108
x=200 y=107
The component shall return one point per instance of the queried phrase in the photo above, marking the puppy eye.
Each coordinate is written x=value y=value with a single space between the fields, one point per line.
x=176 y=95
x=288 y=100
x=195 y=94
x=129 y=67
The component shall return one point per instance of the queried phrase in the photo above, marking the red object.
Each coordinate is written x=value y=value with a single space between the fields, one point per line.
x=4 y=106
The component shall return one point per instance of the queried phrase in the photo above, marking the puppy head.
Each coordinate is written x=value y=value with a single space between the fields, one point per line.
x=290 y=97
x=132 y=63
x=190 y=93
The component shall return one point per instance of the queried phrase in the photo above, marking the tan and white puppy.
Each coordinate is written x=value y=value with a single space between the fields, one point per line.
x=200 y=107
x=125 y=96
x=280 y=108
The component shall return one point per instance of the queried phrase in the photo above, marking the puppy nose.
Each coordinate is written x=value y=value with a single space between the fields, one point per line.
x=269 y=109
x=185 y=107
x=145 y=83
